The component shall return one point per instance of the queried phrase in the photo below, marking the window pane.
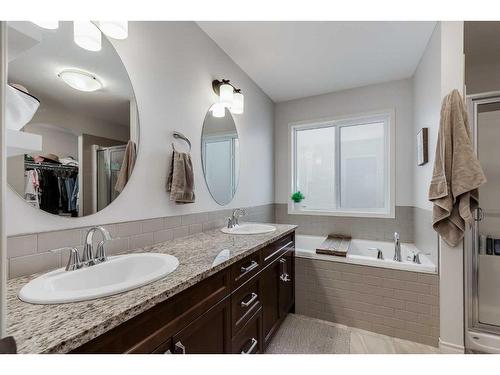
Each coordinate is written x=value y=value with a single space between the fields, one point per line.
x=363 y=167
x=315 y=167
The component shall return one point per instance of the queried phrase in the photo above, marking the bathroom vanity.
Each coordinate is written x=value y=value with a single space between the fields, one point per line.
x=229 y=295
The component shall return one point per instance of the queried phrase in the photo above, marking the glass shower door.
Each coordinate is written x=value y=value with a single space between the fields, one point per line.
x=109 y=162
x=488 y=227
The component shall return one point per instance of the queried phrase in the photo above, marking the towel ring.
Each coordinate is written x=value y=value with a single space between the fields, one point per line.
x=178 y=135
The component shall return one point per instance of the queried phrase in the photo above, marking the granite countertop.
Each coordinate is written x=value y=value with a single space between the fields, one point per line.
x=63 y=327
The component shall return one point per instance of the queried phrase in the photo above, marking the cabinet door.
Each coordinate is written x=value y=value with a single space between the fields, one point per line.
x=270 y=303
x=286 y=282
x=209 y=334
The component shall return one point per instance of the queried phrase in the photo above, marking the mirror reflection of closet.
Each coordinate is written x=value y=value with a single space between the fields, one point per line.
x=81 y=106
x=220 y=155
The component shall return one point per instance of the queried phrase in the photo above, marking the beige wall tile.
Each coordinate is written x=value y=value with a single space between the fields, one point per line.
x=54 y=240
x=129 y=229
x=27 y=265
x=141 y=240
x=163 y=235
x=152 y=225
x=21 y=245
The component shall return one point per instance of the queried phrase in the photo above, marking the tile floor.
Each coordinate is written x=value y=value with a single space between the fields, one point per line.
x=366 y=342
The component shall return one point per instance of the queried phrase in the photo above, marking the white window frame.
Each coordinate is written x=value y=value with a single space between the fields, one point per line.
x=388 y=116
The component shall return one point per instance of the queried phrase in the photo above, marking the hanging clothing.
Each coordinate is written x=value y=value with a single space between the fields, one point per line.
x=457 y=173
x=31 y=188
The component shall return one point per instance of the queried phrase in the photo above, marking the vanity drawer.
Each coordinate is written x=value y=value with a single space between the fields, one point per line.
x=150 y=331
x=249 y=339
x=244 y=302
x=274 y=250
x=245 y=269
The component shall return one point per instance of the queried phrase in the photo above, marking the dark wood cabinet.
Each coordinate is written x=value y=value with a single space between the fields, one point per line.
x=237 y=310
x=209 y=334
x=270 y=299
x=287 y=282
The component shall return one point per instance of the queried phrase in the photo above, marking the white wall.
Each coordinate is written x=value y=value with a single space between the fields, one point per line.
x=171 y=66
x=426 y=114
x=391 y=95
x=452 y=258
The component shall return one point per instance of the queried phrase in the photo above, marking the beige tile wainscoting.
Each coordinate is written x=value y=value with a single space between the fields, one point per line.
x=395 y=303
x=30 y=253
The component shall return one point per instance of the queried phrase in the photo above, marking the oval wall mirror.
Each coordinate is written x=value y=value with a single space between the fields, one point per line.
x=220 y=156
x=72 y=120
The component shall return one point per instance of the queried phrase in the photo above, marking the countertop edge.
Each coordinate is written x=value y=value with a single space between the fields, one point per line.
x=91 y=333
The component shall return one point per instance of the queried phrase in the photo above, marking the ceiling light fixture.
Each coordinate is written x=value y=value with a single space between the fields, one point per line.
x=80 y=80
x=114 y=29
x=229 y=96
x=50 y=25
x=87 y=35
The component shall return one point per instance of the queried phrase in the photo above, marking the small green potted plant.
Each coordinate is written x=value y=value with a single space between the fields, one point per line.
x=297 y=197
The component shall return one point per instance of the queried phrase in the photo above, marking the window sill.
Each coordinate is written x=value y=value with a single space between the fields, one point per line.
x=304 y=211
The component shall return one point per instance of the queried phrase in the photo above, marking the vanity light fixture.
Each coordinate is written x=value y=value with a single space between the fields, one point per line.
x=87 y=35
x=229 y=96
x=114 y=29
x=238 y=102
x=50 y=25
x=80 y=80
x=218 y=110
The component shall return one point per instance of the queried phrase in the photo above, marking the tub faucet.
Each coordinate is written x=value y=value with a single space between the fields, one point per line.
x=397 y=248
x=380 y=254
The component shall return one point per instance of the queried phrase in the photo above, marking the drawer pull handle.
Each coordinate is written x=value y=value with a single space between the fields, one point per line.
x=180 y=348
x=253 y=297
x=250 y=267
x=251 y=348
x=277 y=251
x=285 y=277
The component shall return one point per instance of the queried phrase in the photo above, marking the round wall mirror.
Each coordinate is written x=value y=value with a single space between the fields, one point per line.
x=71 y=118
x=220 y=156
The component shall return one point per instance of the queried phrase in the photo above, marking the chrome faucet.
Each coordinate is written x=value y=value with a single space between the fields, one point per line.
x=233 y=220
x=88 y=254
x=397 y=248
x=74 y=262
x=416 y=256
x=380 y=254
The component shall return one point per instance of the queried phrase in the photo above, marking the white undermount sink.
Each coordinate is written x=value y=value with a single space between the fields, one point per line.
x=249 y=228
x=118 y=274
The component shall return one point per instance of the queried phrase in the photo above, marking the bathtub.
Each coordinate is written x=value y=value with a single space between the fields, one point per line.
x=362 y=252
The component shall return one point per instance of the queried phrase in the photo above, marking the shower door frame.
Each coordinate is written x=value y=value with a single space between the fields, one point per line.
x=472 y=239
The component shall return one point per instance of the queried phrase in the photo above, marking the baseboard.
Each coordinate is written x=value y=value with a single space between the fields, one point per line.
x=449 y=348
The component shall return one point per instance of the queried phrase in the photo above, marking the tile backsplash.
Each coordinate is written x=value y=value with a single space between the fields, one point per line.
x=380 y=229
x=30 y=253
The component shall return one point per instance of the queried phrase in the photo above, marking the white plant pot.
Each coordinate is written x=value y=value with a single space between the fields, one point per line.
x=297 y=206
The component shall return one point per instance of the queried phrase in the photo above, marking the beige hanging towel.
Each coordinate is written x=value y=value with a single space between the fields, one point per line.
x=127 y=167
x=457 y=173
x=180 y=183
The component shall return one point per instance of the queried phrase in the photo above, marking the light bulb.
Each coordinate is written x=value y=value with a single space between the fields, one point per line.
x=218 y=110
x=87 y=35
x=114 y=29
x=238 y=103
x=226 y=94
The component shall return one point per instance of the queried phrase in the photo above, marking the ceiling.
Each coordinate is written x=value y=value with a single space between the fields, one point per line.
x=37 y=55
x=290 y=60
